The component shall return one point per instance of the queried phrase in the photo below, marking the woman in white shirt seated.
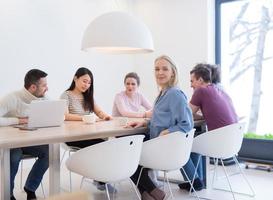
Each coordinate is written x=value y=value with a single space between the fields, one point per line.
x=131 y=103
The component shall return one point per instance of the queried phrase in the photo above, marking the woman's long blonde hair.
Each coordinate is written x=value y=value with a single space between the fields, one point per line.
x=174 y=79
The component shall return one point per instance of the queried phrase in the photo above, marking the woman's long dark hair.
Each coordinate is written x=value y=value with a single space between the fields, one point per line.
x=88 y=95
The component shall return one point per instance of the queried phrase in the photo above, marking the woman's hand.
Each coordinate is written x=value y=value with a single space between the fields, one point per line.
x=136 y=124
x=164 y=132
x=107 y=118
x=23 y=120
x=148 y=114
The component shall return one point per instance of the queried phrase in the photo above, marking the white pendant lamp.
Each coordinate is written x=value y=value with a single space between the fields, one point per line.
x=117 y=32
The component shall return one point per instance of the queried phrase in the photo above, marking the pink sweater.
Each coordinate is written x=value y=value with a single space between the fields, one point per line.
x=130 y=107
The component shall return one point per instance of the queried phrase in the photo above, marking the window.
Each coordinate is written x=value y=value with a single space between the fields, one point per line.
x=244 y=49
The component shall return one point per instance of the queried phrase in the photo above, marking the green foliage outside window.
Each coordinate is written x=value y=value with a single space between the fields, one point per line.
x=268 y=136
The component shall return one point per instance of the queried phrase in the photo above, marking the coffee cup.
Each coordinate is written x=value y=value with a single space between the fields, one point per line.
x=121 y=121
x=89 y=119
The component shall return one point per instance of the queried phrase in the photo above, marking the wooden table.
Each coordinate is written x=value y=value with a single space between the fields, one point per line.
x=11 y=137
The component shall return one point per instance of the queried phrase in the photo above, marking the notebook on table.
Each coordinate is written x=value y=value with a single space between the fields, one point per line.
x=45 y=113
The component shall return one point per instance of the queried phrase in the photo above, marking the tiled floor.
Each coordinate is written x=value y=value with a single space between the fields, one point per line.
x=262 y=182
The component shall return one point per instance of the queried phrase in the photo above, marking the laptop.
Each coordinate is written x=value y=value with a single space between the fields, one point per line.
x=44 y=113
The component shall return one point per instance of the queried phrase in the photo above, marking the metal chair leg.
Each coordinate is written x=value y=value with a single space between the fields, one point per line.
x=214 y=171
x=70 y=175
x=135 y=188
x=241 y=171
x=195 y=172
x=107 y=191
x=227 y=178
x=192 y=188
x=21 y=175
x=244 y=176
x=81 y=182
x=139 y=176
x=168 y=183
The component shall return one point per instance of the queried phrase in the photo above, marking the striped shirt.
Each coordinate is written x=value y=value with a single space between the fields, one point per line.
x=74 y=103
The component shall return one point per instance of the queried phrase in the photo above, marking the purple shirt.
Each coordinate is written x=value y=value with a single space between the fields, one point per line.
x=216 y=106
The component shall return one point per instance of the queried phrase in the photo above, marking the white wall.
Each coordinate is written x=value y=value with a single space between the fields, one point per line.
x=47 y=35
x=183 y=30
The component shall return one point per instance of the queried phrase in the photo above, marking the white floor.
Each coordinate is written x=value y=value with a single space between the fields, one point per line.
x=262 y=182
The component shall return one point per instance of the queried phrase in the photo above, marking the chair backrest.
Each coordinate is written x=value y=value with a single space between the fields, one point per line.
x=168 y=152
x=222 y=143
x=109 y=161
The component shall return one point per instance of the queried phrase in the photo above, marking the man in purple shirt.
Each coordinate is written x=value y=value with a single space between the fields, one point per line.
x=216 y=108
x=215 y=104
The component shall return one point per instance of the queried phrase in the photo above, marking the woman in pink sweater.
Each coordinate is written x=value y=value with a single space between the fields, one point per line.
x=128 y=103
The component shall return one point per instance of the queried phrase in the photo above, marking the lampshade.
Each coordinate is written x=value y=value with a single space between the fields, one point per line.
x=117 y=32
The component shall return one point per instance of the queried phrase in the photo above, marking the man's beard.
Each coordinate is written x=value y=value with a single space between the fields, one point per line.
x=36 y=94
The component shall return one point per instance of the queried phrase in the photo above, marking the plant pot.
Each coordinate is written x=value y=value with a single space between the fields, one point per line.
x=256 y=150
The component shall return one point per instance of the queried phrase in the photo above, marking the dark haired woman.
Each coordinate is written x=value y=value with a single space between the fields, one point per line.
x=80 y=101
x=80 y=97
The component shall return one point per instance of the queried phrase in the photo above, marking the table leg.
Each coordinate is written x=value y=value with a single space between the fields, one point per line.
x=205 y=161
x=5 y=174
x=54 y=169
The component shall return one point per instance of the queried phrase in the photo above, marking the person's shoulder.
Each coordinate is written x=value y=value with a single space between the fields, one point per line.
x=202 y=90
x=176 y=92
x=209 y=90
x=65 y=93
x=15 y=94
x=121 y=94
x=12 y=97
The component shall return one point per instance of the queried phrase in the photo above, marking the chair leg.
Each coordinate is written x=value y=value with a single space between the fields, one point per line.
x=235 y=192
x=195 y=172
x=227 y=178
x=214 y=171
x=107 y=191
x=21 y=175
x=192 y=188
x=70 y=175
x=135 y=188
x=168 y=183
x=63 y=156
x=81 y=182
x=139 y=176
x=164 y=182
x=244 y=176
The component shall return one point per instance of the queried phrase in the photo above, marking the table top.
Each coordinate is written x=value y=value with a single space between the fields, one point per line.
x=11 y=137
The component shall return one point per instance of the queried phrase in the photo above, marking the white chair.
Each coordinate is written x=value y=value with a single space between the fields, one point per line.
x=220 y=144
x=27 y=157
x=111 y=161
x=167 y=153
x=69 y=150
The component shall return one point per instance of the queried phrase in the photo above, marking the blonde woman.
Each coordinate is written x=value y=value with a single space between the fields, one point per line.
x=171 y=113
